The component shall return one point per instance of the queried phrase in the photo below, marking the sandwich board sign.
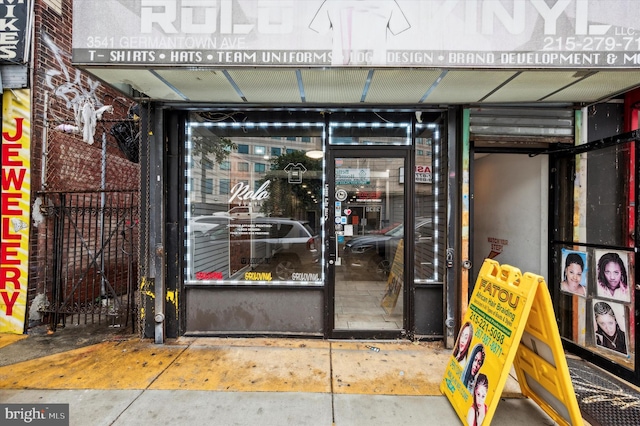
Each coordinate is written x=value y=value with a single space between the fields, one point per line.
x=509 y=323
x=395 y=281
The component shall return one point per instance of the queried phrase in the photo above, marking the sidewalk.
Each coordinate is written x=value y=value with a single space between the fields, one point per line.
x=250 y=382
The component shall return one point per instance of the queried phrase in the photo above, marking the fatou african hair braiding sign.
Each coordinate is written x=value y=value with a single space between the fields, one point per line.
x=509 y=322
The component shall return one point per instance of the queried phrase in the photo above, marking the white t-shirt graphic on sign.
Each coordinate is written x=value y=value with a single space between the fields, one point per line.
x=359 y=29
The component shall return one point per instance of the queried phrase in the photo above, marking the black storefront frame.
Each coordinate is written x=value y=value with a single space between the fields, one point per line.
x=407 y=293
x=562 y=176
x=168 y=137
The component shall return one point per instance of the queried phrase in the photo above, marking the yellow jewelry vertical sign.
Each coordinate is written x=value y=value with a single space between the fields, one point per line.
x=488 y=341
x=15 y=210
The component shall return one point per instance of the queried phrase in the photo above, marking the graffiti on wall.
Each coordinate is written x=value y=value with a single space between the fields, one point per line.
x=78 y=97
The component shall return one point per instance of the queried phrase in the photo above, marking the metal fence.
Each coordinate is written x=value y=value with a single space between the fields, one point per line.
x=91 y=241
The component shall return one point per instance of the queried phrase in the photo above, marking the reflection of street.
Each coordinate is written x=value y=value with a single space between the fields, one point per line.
x=357 y=305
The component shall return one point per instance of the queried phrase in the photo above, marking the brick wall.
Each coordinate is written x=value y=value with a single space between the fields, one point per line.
x=63 y=161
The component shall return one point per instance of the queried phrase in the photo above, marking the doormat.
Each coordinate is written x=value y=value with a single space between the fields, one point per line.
x=603 y=400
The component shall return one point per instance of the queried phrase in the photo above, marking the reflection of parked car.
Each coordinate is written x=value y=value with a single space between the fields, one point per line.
x=386 y=228
x=240 y=212
x=208 y=225
x=374 y=253
x=293 y=247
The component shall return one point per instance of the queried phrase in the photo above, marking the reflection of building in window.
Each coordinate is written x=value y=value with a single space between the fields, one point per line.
x=225 y=185
x=359 y=29
x=207 y=186
x=250 y=163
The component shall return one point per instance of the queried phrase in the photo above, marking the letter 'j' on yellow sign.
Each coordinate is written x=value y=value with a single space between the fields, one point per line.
x=509 y=322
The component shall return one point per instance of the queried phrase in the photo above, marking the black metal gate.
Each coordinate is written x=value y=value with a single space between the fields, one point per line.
x=91 y=250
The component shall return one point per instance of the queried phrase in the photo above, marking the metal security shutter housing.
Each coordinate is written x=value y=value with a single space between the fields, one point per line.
x=521 y=126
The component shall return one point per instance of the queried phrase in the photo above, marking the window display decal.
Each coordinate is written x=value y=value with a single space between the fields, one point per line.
x=209 y=275
x=574 y=272
x=242 y=192
x=304 y=276
x=610 y=326
x=295 y=172
x=258 y=276
x=353 y=176
x=612 y=278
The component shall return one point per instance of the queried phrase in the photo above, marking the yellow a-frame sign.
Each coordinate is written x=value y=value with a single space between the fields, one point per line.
x=509 y=322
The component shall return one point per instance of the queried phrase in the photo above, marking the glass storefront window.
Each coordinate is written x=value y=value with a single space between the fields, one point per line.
x=595 y=274
x=430 y=205
x=261 y=224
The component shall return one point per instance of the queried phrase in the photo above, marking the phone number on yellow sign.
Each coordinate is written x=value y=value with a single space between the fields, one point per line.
x=489 y=335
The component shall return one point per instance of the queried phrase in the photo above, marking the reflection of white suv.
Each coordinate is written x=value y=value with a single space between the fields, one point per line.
x=296 y=248
x=240 y=212
x=209 y=225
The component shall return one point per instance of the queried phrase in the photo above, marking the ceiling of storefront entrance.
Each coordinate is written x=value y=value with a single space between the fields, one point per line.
x=350 y=86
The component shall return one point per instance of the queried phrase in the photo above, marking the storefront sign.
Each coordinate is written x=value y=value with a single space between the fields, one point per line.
x=418 y=33
x=13 y=30
x=15 y=210
x=510 y=319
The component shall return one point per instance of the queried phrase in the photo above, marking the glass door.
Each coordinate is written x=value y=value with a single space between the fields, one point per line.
x=366 y=240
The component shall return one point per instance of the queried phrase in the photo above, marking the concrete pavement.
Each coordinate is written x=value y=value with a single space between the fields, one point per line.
x=257 y=381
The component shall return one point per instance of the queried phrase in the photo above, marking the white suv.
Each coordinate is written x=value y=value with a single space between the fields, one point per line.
x=240 y=212
x=294 y=247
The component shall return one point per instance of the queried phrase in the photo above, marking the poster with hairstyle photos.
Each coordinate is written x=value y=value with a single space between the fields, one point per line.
x=574 y=272
x=610 y=326
x=612 y=275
